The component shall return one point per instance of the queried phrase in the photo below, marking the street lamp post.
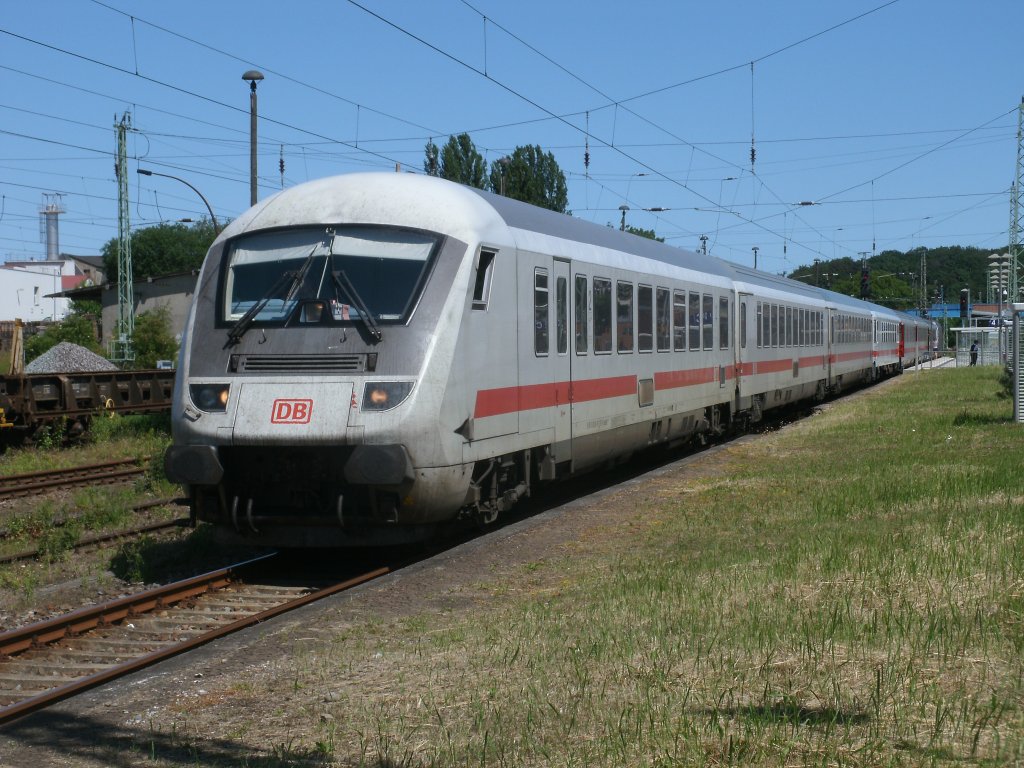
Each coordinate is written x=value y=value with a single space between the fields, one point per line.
x=755 y=249
x=213 y=219
x=253 y=76
x=503 y=163
x=622 y=226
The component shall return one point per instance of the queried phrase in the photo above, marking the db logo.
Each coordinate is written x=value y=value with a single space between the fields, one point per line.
x=291 y=411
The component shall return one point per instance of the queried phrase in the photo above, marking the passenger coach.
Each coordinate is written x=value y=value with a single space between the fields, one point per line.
x=370 y=355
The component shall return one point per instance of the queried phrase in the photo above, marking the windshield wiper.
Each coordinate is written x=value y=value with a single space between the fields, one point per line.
x=237 y=331
x=342 y=282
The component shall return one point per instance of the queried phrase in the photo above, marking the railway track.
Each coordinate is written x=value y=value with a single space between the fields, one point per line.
x=88 y=542
x=30 y=483
x=55 y=659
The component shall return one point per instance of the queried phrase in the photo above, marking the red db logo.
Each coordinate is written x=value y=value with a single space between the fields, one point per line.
x=291 y=411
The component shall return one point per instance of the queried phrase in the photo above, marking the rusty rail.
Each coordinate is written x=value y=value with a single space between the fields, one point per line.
x=73 y=625
x=28 y=483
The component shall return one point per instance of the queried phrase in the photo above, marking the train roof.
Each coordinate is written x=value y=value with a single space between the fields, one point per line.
x=523 y=216
x=443 y=206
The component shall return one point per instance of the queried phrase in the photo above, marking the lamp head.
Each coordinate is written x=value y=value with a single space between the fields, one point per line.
x=253 y=76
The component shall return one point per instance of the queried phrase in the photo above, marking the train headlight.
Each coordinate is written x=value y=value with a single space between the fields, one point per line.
x=209 y=397
x=385 y=395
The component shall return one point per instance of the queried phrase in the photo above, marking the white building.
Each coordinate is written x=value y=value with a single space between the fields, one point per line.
x=25 y=286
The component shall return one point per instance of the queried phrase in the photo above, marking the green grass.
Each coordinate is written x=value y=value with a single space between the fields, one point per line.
x=108 y=438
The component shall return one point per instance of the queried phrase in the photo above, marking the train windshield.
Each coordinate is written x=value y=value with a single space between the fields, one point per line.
x=372 y=274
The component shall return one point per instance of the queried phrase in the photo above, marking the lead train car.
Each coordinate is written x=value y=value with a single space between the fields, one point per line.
x=370 y=355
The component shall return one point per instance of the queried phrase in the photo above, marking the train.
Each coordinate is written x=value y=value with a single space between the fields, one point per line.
x=372 y=356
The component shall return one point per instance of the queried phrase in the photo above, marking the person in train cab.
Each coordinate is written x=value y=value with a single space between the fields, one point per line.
x=974 y=353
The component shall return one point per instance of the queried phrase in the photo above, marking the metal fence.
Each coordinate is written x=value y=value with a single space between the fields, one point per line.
x=992 y=350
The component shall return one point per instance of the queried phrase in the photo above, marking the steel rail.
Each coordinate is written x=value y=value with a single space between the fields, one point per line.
x=83 y=620
x=103 y=538
x=12 y=486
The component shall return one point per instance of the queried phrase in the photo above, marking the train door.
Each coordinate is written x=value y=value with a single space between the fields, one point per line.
x=745 y=343
x=902 y=347
x=830 y=345
x=544 y=359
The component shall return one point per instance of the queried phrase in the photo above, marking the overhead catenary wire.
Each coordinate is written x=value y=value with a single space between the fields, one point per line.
x=365 y=141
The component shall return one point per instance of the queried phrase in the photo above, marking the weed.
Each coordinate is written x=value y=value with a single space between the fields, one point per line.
x=51 y=436
x=55 y=543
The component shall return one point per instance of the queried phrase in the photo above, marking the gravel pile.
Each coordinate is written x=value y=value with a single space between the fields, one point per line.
x=66 y=357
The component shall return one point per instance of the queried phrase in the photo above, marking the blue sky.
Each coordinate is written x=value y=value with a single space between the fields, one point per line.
x=898 y=119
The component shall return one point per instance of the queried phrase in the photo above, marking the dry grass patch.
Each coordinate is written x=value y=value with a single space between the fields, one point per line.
x=851 y=592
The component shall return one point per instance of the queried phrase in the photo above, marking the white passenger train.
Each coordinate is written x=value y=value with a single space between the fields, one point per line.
x=370 y=355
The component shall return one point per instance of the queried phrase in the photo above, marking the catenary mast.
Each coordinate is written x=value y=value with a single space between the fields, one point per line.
x=122 y=350
x=1016 y=195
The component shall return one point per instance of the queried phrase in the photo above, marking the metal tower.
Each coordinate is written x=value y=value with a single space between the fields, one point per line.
x=1016 y=200
x=121 y=345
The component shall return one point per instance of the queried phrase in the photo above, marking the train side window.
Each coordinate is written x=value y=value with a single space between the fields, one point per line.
x=801 y=337
x=602 y=315
x=580 y=297
x=561 y=315
x=789 y=327
x=644 y=318
x=663 y=319
x=694 y=320
x=723 y=322
x=760 y=320
x=707 y=315
x=624 y=316
x=679 y=321
x=743 y=324
x=482 y=285
x=540 y=311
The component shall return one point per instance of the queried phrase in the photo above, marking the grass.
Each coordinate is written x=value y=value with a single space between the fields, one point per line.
x=847 y=591
x=53 y=525
x=108 y=438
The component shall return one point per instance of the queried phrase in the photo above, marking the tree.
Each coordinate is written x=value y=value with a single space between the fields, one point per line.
x=650 y=234
x=78 y=328
x=430 y=161
x=533 y=176
x=163 y=249
x=460 y=162
x=153 y=339
x=894 y=275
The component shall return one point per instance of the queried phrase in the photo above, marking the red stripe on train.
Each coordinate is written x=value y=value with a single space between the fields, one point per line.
x=674 y=379
x=495 y=402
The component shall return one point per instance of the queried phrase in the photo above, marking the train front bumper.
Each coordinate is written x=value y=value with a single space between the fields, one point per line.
x=386 y=465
